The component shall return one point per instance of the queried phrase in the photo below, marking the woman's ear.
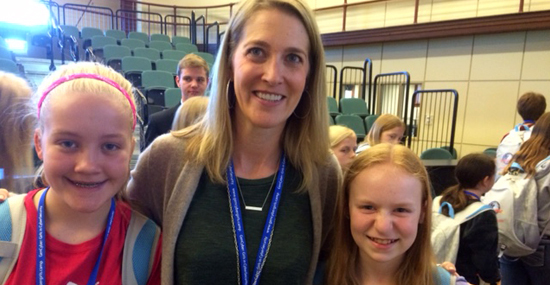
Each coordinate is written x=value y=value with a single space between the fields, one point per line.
x=38 y=143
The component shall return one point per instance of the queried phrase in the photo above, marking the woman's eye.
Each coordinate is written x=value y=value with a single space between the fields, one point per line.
x=255 y=51
x=294 y=58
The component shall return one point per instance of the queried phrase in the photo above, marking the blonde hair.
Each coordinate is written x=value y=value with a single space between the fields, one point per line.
x=16 y=129
x=190 y=112
x=192 y=60
x=418 y=265
x=81 y=87
x=384 y=123
x=339 y=133
x=305 y=137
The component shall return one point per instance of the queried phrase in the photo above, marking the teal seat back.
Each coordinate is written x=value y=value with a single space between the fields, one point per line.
x=436 y=153
x=69 y=30
x=353 y=122
x=160 y=45
x=354 y=106
x=157 y=78
x=150 y=53
x=173 y=54
x=188 y=48
x=180 y=40
x=332 y=106
x=492 y=152
x=8 y=65
x=135 y=63
x=89 y=32
x=208 y=57
x=139 y=36
x=132 y=44
x=160 y=37
x=172 y=97
x=169 y=65
x=115 y=52
x=369 y=121
x=117 y=34
x=452 y=152
x=98 y=42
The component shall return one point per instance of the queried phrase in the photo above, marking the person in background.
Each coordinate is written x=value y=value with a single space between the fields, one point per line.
x=192 y=79
x=383 y=222
x=16 y=129
x=343 y=143
x=77 y=228
x=478 y=248
x=533 y=269
x=190 y=112
x=386 y=129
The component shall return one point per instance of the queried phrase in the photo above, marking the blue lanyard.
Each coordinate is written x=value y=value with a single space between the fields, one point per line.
x=471 y=194
x=238 y=229
x=41 y=243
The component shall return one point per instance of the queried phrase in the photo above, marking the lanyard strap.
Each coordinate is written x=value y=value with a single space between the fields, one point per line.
x=238 y=227
x=41 y=243
x=471 y=194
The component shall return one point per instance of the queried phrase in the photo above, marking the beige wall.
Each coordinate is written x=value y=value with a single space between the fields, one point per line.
x=489 y=72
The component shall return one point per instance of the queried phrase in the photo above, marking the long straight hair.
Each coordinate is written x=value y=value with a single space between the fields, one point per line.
x=305 y=137
x=418 y=263
x=536 y=148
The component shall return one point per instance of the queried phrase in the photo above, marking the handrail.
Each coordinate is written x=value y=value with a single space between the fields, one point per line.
x=346 y=5
x=207 y=36
x=84 y=8
x=182 y=7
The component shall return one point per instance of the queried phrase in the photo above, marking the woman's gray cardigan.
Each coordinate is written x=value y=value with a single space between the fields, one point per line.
x=163 y=184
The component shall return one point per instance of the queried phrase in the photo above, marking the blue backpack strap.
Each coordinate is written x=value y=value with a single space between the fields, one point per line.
x=140 y=248
x=13 y=220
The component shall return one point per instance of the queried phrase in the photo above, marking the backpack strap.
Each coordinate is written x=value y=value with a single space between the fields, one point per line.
x=13 y=220
x=518 y=127
x=467 y=214
x=140 y=247
x=443 y=277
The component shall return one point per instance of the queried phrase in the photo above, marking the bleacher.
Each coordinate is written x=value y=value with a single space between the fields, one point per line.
x=138 y=48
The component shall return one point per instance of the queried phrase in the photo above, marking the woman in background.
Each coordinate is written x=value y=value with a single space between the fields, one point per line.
x=386 y=129
x=343 y=143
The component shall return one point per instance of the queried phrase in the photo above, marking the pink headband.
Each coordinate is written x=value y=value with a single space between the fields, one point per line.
x=90 y=76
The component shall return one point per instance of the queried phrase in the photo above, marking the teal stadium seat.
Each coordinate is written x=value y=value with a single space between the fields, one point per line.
x=169 y=65
x=139 y=36
x=353 y=122
x=117 y=34
x=369 y=121
x=354 y=106
x=436 y=153
x=160 y=45
x=172 y=97
x=98 y=43
x=173 y=54
x=86 y=35
x=452 y=152
x=150 y=53
x=113 y=55
x=132 y=44
x=188 y=48
x=7 y=65
x=492 y=152
x=133 y=67
x=332 y=107
x=180 y=40
x=160 y=37
x=155 y=83
x=208 y=57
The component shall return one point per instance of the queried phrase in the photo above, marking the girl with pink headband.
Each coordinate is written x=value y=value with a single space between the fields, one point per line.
x=78 y=230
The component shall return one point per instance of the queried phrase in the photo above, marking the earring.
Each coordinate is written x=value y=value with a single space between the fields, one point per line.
x=230 y=101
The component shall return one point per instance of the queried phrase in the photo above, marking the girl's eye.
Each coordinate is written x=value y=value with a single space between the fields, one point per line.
x=111 y=147
x=367 y=207
x=402 y=210
x=67 y=144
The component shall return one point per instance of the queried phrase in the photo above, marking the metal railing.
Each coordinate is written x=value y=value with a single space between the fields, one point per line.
x=332 y=76
x=357 y=78
x=433 y=119
x=80 y=16
x=391 y=94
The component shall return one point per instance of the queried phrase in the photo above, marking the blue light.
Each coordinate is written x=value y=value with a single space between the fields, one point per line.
x=16 y=45
x=25 y=13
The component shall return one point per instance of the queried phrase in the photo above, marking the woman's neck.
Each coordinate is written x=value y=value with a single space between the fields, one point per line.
x=373 y=272
x=475 y=191
x=68 y=225
x=256 y=151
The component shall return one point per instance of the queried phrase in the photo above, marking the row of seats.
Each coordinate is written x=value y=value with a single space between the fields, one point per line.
x=360 y=126
x=114 y=52
x=348 y=106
